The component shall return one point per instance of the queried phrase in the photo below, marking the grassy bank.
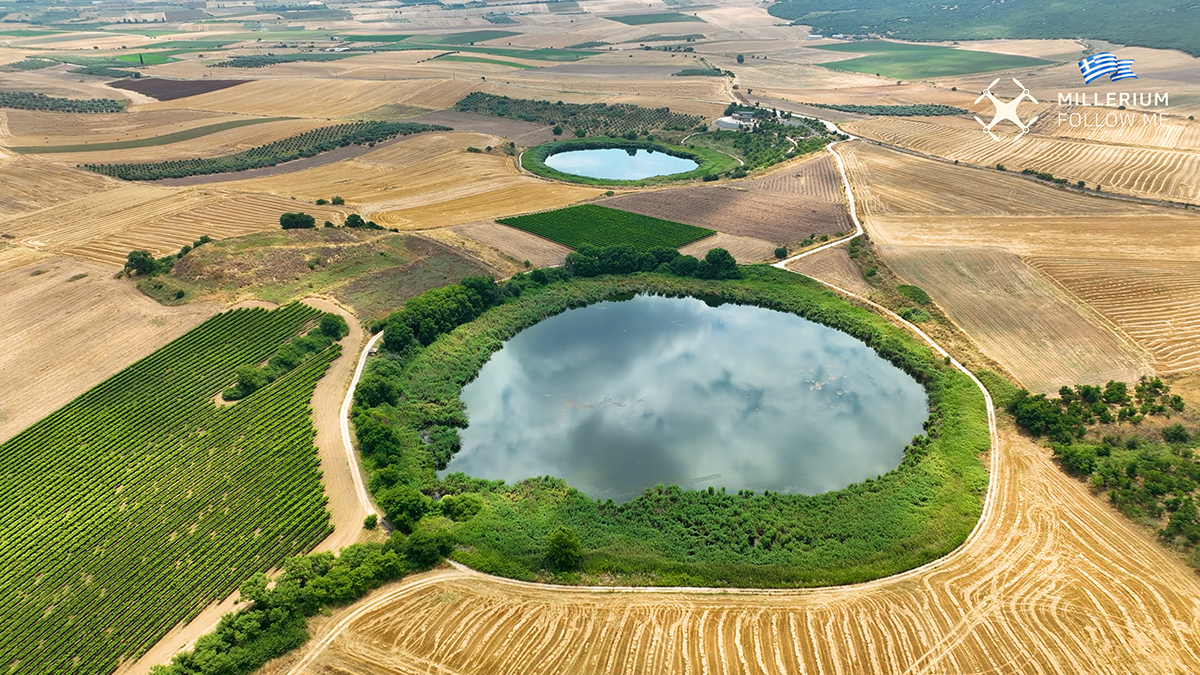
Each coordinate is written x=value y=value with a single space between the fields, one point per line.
x=913 y=514
x=710 y=162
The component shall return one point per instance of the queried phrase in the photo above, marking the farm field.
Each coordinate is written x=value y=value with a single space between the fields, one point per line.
x=107 y=225
x=30 y=185
x=785 y=207
x=245 y=475
x=444 y=184
x=916 y=204
x=28 y=128
x=1145 y=172
x=833 y=265
x=991 y=294
x=1174 y=134
x=67 y=336
x=602 y=226
x=519 y=245
x=1056 y=600
x=177 y=140
x=1153 y=301
x=908 y=61
x=659 y=17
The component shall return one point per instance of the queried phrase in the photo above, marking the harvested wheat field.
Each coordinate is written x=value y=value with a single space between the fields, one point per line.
x=322 y=98
x=41 y=127
x=1054 y=581
x=427 y=181
x=517 y=244
x=1157 y=302
x=1175 y=133
x=31 y=185
x=63 y=336
x=1145 y=172
x=1018 y=317
x=834 y=266
x=784 y=208
x=745 y=250
x=106 y=226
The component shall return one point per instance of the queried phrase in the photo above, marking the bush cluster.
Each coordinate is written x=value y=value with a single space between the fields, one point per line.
x=917 y=110
x=264 y=60
x=591 y=261
x=144 y=264
x=1066 y=419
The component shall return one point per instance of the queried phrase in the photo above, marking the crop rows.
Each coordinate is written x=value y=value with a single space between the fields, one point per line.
x=141 y=502
x=295 y=147
x=602 y=226
x=592 y=118
x=918 y=110
x=264 y=60
x=25 y=100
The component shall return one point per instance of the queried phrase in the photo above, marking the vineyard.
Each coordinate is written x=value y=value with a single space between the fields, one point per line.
x=302 y=145
x=24 y=100
x=602 y=226
x=264 y=60
x=591 y=118
x=139 y=503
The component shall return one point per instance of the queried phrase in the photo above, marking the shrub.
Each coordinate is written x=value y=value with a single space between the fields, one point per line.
x=564 y=552
x=334 y=326
x=914 y=293
x=462 y=507
x=296 y=221
x=322 y=202
x=557 y=130
x=141 y=262
x=1175 y=433
x=781 y=252
x=371 y=522
x=337 y=201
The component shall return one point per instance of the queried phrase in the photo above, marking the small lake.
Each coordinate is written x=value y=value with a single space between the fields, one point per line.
x=618 y=396
x=619 y=164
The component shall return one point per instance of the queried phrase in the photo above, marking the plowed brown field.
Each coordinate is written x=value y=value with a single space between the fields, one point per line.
x=1056 y=582
x=783 y=208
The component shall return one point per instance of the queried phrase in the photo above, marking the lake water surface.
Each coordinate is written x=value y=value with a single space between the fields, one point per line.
x=619 y=164
x=618 y=396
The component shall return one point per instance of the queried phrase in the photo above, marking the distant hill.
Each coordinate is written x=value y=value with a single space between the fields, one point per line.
x=1168 y=24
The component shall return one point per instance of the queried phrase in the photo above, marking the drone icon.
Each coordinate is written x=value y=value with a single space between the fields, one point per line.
x=1006 y=110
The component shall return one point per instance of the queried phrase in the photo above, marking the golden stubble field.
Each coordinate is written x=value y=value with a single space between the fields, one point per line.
x=1054 y=582
x=971 y=238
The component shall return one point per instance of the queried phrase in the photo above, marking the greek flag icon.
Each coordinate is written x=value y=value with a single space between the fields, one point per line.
x=1106 y=63
x=1124 y=70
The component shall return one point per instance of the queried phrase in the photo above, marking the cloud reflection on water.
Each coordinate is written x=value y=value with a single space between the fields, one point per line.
x=619 y=396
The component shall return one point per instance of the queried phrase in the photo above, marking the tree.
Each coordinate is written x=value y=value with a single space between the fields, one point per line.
x=397 y=335
x=462 y=507
x=374 y=391
x=371 y=522
x=334 y=326
x=337 y=201
x=250 y=378
x=557 y=130
x=563 y=550
x=141 y=262
x=1175 y=433
x=741 y=58
x=781 y=252
x=425 y=549
x=404 y=505
x=355 y=220
x=718 y=264
x=296 y=221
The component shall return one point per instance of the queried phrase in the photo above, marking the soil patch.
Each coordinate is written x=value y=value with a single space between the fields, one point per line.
x=169 y=90
x=522 y=133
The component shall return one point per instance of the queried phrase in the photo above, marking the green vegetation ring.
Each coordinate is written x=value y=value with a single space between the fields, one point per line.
x=710 y=162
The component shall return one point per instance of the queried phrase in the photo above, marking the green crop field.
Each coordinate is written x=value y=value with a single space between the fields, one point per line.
x=463 y=38
x=480 y=59
x=1166 y=24
x=376 y=38
x=911 y=62
x=602 y=226
x=658 y=17
x=141 y=502
x=295 y=147
x=264 y=60
x=151 y=58
x=165 y=139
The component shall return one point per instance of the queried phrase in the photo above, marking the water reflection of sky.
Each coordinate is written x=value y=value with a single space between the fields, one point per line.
x=618 y=164
x=619 y=396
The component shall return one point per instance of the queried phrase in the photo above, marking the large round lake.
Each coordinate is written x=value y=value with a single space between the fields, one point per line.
x=618 y=396
x=618 y=164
